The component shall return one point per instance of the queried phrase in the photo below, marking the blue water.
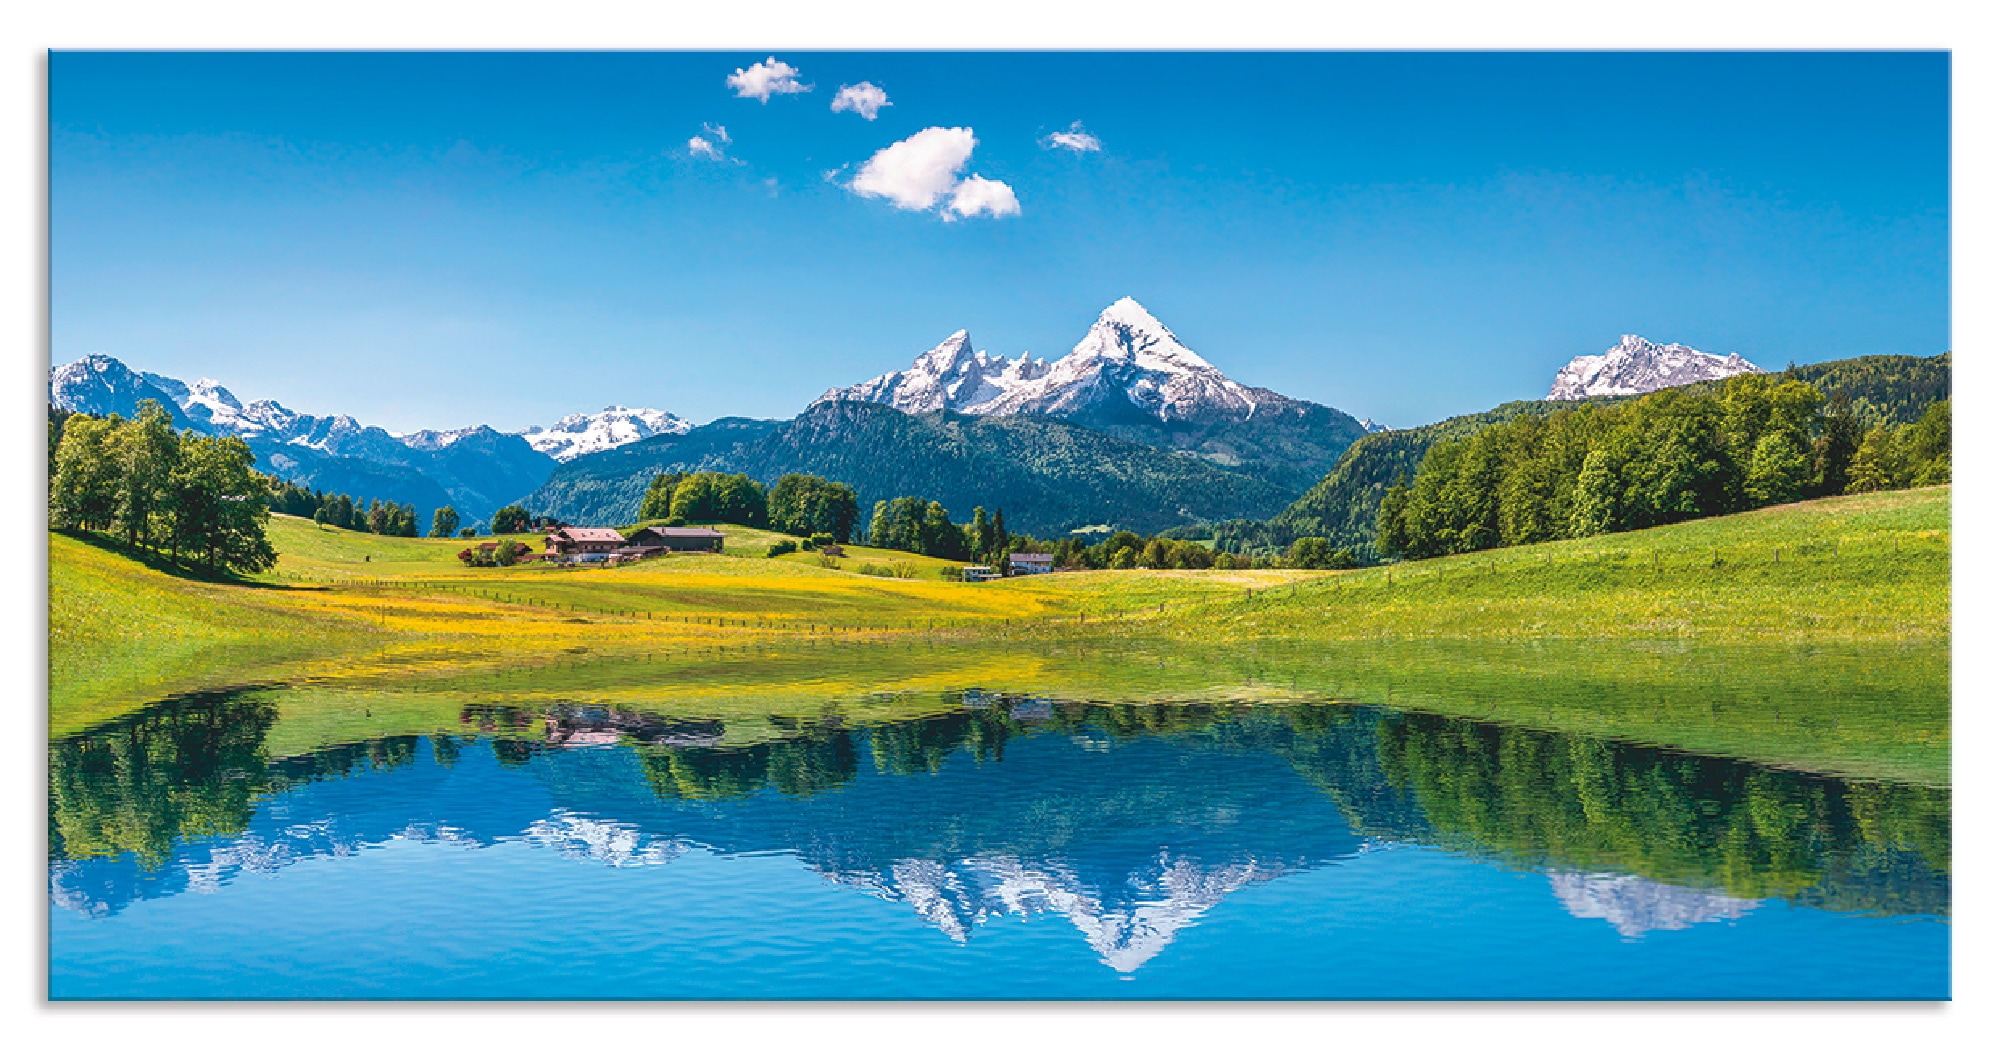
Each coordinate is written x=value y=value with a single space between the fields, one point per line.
x=1029 y=852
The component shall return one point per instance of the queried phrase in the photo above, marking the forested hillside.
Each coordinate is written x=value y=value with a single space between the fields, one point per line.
x=1675 y=455
x=1341 y=507
x=1048 y=475
x=1882 y=390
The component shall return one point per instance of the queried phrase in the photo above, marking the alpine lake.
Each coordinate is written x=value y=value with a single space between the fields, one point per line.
x=1062 y=821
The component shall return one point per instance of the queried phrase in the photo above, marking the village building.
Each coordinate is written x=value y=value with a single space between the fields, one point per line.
x=978 y=573
x=570 y=542
x=1031 y=564
x=664 y=538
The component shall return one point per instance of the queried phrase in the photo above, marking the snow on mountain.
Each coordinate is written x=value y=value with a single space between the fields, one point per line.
x=1127 y=362
x=952 y=376
x=1637 y=905
x=581 y=434
x=1636 y=365
x=1126 y=927
x=101 y=385
x=437 y=440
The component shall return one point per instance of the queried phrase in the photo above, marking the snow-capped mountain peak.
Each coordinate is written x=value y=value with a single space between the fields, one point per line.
x=1127 y=364
x=583 y=433
x=950 y=376
x=1128 y=332
x=1637 y=365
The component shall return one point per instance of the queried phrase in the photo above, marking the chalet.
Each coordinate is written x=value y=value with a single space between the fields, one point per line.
x=569 y=542
x=978 y=573
x=663 y=538
x=1031 y=564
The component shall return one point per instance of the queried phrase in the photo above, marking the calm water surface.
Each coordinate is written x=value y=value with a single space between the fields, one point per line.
x=1004 y=847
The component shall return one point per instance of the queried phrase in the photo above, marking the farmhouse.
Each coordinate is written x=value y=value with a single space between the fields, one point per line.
x=1031 y=564
x=568 y=542
x=678 y=538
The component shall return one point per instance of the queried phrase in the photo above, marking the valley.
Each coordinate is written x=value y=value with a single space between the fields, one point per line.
x=1866 y=575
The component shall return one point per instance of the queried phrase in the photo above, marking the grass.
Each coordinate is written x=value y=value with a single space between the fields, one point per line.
x=1866 y=568
x=1815 y=635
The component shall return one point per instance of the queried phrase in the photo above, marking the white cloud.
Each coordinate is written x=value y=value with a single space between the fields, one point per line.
x=717 y=131
x=863 y=98
x=922 y=170
x=978 y=195
x=767 y=78
x=914 y=173
x=1076 y=139
x=701 y=147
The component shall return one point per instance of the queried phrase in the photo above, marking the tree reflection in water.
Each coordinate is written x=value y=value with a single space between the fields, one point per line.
x=1129 y=818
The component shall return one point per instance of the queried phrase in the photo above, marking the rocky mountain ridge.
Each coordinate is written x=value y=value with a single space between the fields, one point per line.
x=1637 y=365
x=1129 y=376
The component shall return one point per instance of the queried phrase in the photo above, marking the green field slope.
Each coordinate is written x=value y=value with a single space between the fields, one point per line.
x=1871 y=567
x=1815 y=635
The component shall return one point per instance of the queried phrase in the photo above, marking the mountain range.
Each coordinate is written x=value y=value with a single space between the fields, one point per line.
x=1132 y=378
x=476 y=469
x=1129 y=429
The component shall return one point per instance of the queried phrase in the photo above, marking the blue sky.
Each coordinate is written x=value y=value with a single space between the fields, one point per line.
x=443 y=239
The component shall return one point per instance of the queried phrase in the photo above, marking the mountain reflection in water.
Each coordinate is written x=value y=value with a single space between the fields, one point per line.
x=1129 y=821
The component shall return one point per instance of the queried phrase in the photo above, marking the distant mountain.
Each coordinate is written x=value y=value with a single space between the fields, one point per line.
x=1636 y=366
x=605 y=488
x=1132 y=378
x=1049 y=475
x=102 y=385
x=475 y=470
x=582 y=434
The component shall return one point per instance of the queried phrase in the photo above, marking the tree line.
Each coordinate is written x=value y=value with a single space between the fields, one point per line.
x=1673 y=455
x=189 y=497
x=796 y=504
x=340 y=510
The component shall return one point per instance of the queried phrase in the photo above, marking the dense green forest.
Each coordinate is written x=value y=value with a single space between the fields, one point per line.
x=1674 y=455
x=1885 y=391
x=187 y=497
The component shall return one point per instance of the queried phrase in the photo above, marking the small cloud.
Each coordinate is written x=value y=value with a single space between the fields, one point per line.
x=1076 y=140
x=717 y=132
x=976 y=196
x=921 y=171
x=767 y=78
x=701 y=147
x=863 y=98
x=914 y=173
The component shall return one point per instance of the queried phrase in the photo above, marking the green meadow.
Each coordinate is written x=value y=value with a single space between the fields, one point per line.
x=1814 y=636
